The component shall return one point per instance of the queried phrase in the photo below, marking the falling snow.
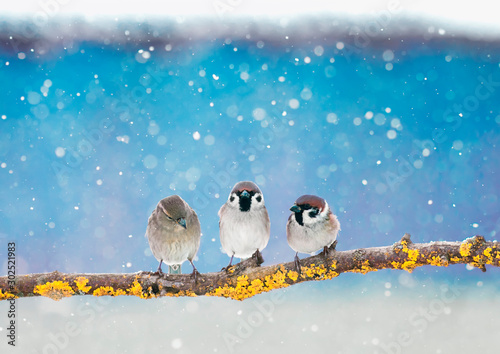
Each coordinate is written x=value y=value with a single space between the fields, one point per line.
x=398 y=136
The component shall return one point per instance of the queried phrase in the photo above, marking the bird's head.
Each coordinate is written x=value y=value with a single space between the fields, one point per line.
x=310 y=209
x=246 y=196
x=174 y=209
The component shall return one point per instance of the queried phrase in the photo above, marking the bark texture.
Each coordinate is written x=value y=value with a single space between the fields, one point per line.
x=247 y=279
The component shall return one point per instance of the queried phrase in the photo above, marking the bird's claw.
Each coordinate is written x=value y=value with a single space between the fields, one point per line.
x=195 y=274
x=227 y=269
x=297 y=264
x=158 y=272
x=258 y=257
x=333 y=246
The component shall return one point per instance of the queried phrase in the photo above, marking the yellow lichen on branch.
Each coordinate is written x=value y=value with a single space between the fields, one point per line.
x=108 y=290
x=81 y=284
x=55 y=290
x=6 y=295
x=136 y=290
x=411 y=260
x=247 y=279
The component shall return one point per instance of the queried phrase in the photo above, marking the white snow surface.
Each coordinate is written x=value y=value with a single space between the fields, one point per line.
x=428 y=318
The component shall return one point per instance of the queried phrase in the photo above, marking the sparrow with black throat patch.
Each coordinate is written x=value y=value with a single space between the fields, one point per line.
x=244 y=223
x=312 y=226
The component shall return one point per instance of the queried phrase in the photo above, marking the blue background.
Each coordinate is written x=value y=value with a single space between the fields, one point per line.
x=397 y=135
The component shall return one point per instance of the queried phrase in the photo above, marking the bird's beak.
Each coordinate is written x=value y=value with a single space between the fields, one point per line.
x=245 y=194
x=182 y=222
x=295 y=209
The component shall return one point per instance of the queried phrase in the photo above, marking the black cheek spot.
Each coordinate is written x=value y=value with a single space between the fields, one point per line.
x=231 y=199
x=259 y=198
x=312 y=214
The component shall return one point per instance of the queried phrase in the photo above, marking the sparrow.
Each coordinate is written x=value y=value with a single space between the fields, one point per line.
x=174 y=234
x=244 y=223
x=311 y=226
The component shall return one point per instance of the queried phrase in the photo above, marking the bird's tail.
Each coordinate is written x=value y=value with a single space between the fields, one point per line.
x=174 y=269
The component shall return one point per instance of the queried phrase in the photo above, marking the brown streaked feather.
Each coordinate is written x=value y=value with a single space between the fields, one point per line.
x=333 y=220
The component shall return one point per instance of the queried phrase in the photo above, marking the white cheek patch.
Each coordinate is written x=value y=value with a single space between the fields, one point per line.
x=235 y=201
x=324 y=213
x=255 y=201
x=306 y=219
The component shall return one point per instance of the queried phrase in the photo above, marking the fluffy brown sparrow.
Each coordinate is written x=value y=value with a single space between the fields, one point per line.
x=174 y=233
x=311 y=226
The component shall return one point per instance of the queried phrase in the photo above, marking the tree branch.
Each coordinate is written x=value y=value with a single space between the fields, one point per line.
x=247 y=279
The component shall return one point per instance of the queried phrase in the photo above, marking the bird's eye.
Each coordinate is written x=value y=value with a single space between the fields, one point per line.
x=231 y=199
x=313 y=213
x=259 y=198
